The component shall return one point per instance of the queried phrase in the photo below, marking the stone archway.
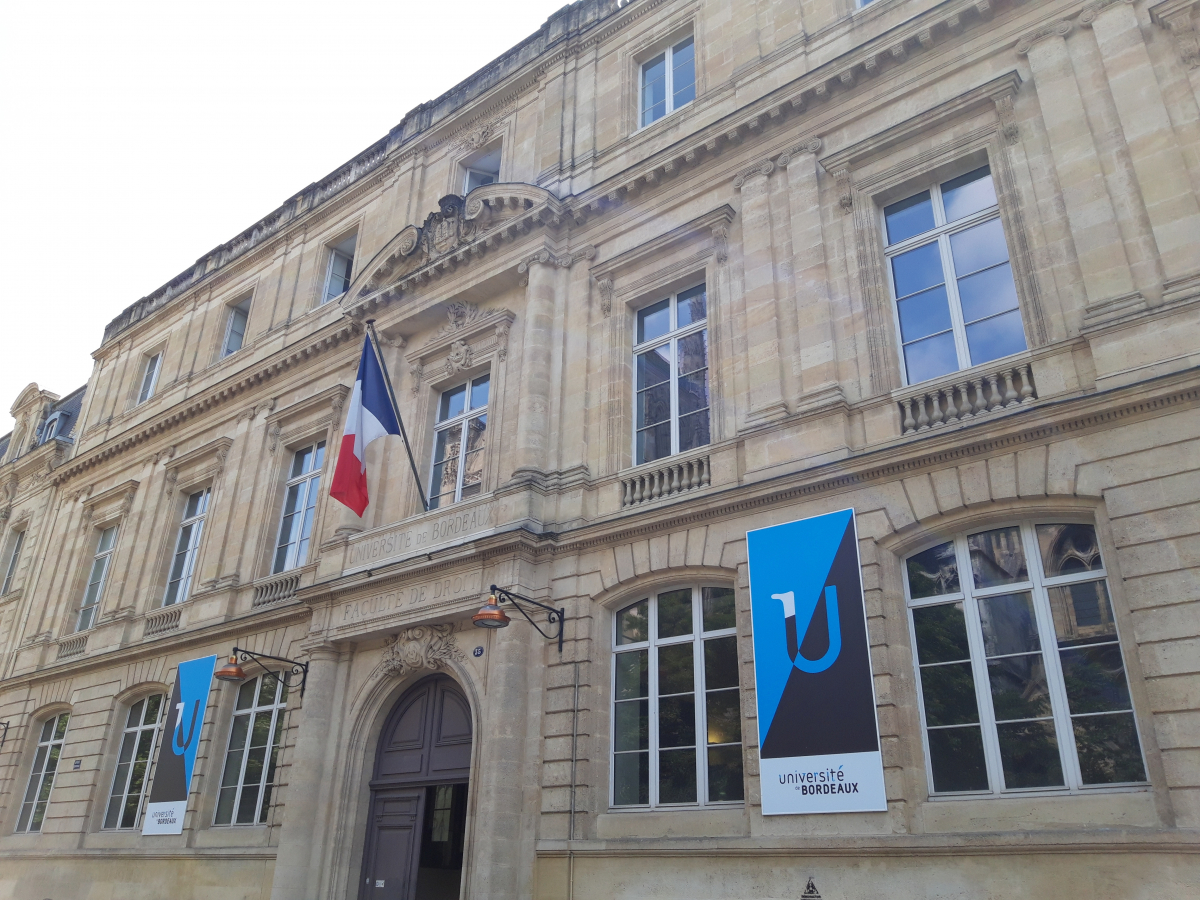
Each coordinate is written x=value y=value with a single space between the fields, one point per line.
x=416 y=826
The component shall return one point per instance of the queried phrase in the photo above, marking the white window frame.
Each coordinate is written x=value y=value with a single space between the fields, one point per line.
x=699 y=692
x=140 y=753
x=940 y=234
x=672 y=337
x=51 y=427
x=668 y=54
x=150 y=373
x=237 y=309
x=462 y=419
x=14 y=558
x=102 y=558
x=266 y=784
x=187 y=545
x=334 y=255
x=42 y=774
x=1037 y=585
x=309 y=495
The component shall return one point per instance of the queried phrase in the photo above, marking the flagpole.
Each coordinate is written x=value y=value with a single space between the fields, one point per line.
x=387 y=380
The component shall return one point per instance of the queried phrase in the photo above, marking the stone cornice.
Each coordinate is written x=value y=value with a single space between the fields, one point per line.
x=1176 y=17
x=283 y=361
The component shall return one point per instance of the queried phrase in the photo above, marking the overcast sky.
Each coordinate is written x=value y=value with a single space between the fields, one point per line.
x=137 y=136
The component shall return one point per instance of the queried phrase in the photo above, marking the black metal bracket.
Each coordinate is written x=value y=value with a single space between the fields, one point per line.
x=555 y=616
x=297 y=668
x=3 y=734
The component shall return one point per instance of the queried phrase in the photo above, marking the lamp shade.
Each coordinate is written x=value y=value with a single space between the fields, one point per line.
x=231 y=671
x=490 y=615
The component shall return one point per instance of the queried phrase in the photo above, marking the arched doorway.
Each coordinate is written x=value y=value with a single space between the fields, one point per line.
x=417 y=826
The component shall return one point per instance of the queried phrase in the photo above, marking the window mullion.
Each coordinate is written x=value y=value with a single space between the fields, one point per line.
x=237 y=794
x=983 y=692
x=952 y=298
x=652 y=662
x=700 y=692
x=462 y=451
x=266 y=763
x=674 y=396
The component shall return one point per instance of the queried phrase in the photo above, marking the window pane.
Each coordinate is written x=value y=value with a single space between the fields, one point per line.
x=631 y=779
x=694 y=431
x=725 y=774
x=675 y=614
x=693 y=392
x=956 y=757
x=655 y=442
x=968 y=194
x=909 y=217
x=107 y=537
x=677 y=721
x=1068 y=549
x=724 y=717
x=153 y=706
x=996 y=337
x=693 y=353
x=633 y=623
x=654 y=367
x=931 y=358
x=453 y=403
x=675 y=672
x=1082 y=613
x=1029 y=753
x=941 y=633
x=720 y=663
x=631 y=725
x=1019 y=688
x=933 y=572
x=997 y=557
x=979 y=247
x=633 y=675
x=683 y=61
x=135 y=714
x=448 y=443
x=476 y=433
x=653 y=405
x=677 y=776
x=1095 y=679
x=479 y=392
x=692 y=306
x=917 y=270
x=654 y=89
x=1108 y=748
x=718 y=608
x=1008 y=624
x=949 y=692
x=924 y=314
x=654 y=321
x=301 y=462
x=987 y=293
x=245 y=697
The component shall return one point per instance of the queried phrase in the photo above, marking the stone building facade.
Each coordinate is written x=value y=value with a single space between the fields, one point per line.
x=666 y=272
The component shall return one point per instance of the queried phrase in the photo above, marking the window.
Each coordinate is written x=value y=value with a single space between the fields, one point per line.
x=14 y=557
x=485 y=170
x=299 y=505
x=341 y=265
x=186 y=548
x=235 y=329
x=142 y=726
x=91 y=598
x=41 y=776
x=249 y=774
x=668 y=81
x=150 y=377
x=1022 y=680
x=956 y=301
x=54 y=426
x=671 y=359
x=459 y=440
x=677 y=727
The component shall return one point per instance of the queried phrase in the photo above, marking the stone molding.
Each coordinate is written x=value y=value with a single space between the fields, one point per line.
x=420 y=647
x=470 y=336
x=1092 y=10
x=1054 y=30
x=203 y=462
x=1177 y=17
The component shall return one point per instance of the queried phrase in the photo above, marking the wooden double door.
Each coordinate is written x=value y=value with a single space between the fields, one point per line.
x=416 y=832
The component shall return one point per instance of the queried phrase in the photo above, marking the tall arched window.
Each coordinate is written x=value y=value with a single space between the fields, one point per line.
x=132 y=776
x=41 y=775
x=1022 y=681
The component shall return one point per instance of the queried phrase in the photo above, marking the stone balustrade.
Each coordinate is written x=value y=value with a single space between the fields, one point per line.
x=162 y=621
x=276 y=589
x=667 y=480
x=967 y=398
x=72 y=646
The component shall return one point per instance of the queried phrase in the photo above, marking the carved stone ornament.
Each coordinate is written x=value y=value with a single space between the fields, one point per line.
x=606 y=296
x=420 y=647
x=1006 y=113
x=1053 y=30
x=1176 y=17
x=459 y=357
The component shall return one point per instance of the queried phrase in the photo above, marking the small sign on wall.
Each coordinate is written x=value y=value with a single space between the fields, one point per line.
x=818 y=735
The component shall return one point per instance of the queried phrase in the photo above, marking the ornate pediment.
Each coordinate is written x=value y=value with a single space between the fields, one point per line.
x=459 y=232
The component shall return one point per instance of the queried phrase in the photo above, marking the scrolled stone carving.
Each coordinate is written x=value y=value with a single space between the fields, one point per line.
x=420 y=647
x=1088 y=16
x=1054 y=29
x=845 y=191
x=720 y=233
x=1007 y=114
x=459 y=357
x=607 y=289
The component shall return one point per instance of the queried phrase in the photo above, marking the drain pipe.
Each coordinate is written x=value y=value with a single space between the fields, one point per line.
x=571 y=817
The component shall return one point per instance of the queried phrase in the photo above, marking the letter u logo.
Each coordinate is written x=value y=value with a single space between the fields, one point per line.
x=176 y=745
x=796 y=630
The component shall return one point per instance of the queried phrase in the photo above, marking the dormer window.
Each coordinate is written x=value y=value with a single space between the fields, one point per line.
x=340 y=269
x=54 y=426
x=484 y=170
x=150 y=377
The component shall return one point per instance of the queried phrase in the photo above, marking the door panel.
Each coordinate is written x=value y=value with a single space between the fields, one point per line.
x=393 y=845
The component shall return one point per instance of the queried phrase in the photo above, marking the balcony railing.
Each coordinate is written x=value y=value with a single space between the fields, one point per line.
x=968 y=398
x=277 y=589
x=72 y=646
x=163 y=620
x=669 y=479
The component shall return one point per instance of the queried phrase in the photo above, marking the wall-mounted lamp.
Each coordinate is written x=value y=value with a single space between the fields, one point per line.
x=232 y=670
x=491 y=615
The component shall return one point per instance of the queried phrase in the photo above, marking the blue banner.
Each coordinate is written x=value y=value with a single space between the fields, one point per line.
x=178 y=746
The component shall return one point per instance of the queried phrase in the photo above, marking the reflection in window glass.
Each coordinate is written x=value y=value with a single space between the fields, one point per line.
x=41 y=775
x=299 y=507
x=1016 y=713
x=131 y=779
x=459 y=442
x=668 y=81
x=676 y=701
x=251 y=758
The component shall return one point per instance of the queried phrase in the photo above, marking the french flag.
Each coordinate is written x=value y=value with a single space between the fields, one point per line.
x=370 y=416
